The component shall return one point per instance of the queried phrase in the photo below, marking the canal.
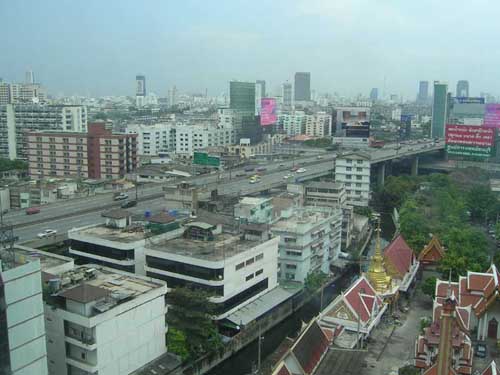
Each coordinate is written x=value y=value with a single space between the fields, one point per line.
x=244 y=361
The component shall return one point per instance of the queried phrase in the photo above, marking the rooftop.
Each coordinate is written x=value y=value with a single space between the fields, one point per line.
x=223 y=246
x=25 y=255
x=300 y=217
x=91 y=283
x=254 y=201
x=126 y=235
x=324 y=185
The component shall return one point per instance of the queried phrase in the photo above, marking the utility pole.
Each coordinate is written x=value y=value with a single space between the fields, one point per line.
x=259 y=350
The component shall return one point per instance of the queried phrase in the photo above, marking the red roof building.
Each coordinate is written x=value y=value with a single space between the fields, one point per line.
x=492 y=369
x=432 y=253
x=401 y=263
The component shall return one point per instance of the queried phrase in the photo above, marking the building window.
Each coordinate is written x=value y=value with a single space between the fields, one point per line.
x=348 y=168
x=359 y=177
x=294 y=253
x=259 y=272
x=290 y=240
x=359 y=169
x=52 y=139
x=349 y=161
x=291 y=266
x=239 y=266
x=38 y=139
x=65 y=140
x=249 y=261
x=348 y=176
x=360 y=161
x=249 y=277
x=259 y=257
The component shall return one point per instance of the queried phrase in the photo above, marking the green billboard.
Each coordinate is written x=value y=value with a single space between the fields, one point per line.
x=474 y=151
x=202 y=158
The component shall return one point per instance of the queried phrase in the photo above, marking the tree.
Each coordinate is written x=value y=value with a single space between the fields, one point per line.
x=191 y=313
x=321 y=142
x=396 y=190
x=481 y=202
x=428 y=287
x=8 y=165
x=315 y=280
x=413 y=225
x=177 y=343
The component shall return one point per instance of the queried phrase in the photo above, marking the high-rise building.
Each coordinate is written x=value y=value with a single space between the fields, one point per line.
x=242 y=96
x=30 y=77
x=423 y=92
x=23 y=349
x=172 y=96
x=97 y=154
x=17 y=119
x=262 y=87
x=462 y=89
x=302 y=86
x=374 y=94
x=27 y=93
x=287 y=95
x=353 y=170
x=439 y=109
x=140 y=90
x=258 y=97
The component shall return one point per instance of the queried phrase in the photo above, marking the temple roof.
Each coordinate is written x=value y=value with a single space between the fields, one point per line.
x=400 y=256
x=432 y=253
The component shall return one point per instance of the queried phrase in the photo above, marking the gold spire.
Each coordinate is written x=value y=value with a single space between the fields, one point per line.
x=376 y=272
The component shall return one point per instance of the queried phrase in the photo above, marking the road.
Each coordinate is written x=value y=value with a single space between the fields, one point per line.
x=64 y=215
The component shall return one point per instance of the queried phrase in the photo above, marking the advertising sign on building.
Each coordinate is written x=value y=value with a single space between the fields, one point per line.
x=202 y=158
x=467 y=140
x=468 y=100
x=268 y=112
x=359 y=129
x=492 y=116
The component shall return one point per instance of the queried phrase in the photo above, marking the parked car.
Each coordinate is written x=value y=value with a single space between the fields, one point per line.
x=129 y=204
x=47 y=233
x=241 y=174
x=249 y=169
x=261 y=169
x=301 y=170
x=32 y=211
x=480 y=351
x=121 y=197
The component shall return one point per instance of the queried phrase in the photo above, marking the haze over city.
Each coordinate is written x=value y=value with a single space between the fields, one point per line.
x=96 y=48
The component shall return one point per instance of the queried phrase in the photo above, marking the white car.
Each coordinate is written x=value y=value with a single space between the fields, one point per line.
x=301 y=170
x=287 y=176
x=121 y=196
x=47 y=233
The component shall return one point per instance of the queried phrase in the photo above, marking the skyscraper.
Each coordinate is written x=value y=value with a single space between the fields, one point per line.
x=242 y=96
x=287 y=95
x=302 y=86
x=140 y=90
x=30 y=77
x=462 y=89
x=439 y=109
x=262 y=84
x=423 y=92
x=374 y=94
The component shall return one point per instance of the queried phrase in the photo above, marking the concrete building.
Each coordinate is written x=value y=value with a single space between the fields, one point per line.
x=318 y=124
x=439 y=109
x=17 y=120
x=374 y=94
x=287 y=95
x=309 y=239
x=140 y=90
x=254 y=210
x=262 y=83
x=22 y=329
x=462 y=89
x=332 y=194
x=245 y=150
x=353 y=171
x=352 y=118
x=189 y=138
x=242 y=96
x=99 y=320
x=466 y=111
x=153 y=139
x=96 y=154
x=302 y=87
x=292 y=123
x=423 y=92
x=235 y=271
x=19 y=93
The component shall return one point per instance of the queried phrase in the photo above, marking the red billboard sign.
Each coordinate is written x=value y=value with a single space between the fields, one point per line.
x=268 y=111
x=469 y=135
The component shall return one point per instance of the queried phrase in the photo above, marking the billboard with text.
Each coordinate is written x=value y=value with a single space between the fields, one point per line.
x=492 y=116
x=469 y=140
x=268 y=111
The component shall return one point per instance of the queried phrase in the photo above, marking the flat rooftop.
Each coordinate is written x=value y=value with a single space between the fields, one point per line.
x=223 y=246
x=301 y=217
x=92 y=283
x=23 y=255
x=126 y=235
x=254 y=201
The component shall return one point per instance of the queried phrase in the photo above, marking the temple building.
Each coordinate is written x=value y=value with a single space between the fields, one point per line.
x=432 y=254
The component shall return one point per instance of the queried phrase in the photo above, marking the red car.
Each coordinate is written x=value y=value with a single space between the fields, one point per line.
x=32 y=211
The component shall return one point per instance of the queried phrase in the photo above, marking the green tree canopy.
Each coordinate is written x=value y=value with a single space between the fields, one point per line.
x=429 y=286
x=481 y=202
x=8 y=165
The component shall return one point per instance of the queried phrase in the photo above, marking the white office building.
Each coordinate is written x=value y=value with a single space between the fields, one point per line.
x=189 y=138
x=318 y=124
x=292 y=123
x=22 y=329
x=310 y=239
x=16 y=120
x=235 y=271
x=102 y=321
x=154 y=139
x=353 y=170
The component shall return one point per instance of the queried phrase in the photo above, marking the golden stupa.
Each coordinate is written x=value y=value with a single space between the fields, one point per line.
x=376 y=272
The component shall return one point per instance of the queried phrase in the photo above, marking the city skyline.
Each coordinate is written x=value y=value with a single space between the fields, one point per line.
x=152 y=40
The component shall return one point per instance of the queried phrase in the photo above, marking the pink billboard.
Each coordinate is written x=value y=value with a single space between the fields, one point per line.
x=268 y=111
x=492 y=116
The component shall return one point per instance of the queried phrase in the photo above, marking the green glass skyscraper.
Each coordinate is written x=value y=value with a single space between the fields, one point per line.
x=242 y=96
x=439 y=109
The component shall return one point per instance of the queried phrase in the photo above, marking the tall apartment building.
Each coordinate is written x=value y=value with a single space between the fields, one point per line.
x=287 y=95
x=423 y=92
x=309 y=239
x=439 y=109
x=189 y=138
x=102 y=321
x=353 y=171
x=19 y=93
x=17 y=120
x=97 y=154
x=318 y=124
x=154 y=139
x=22 y=330
x=140 y=90
x=332 y=194
x=302 y=87
x=292 y=123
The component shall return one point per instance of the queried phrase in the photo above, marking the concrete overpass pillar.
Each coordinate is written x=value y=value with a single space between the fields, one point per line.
x=381 y=175
x=414 y=166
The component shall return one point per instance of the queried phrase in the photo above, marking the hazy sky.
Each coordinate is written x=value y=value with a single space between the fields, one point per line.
x=97 y=47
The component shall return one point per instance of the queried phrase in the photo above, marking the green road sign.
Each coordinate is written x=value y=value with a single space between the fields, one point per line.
x=202 y=158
